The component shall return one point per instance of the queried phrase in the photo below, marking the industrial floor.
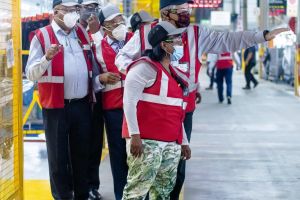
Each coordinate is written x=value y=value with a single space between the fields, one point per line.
x=249 y=150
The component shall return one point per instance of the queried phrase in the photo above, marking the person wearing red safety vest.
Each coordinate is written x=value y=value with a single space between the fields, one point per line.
x=89 y=9
x=154 y=110
x=140 y=19
x=197 y=40
x=224 y=66
x=105 y=52
x=60 y=60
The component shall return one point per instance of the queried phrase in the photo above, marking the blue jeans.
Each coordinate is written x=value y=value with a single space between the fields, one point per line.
x=227 y=75
x=117 y=149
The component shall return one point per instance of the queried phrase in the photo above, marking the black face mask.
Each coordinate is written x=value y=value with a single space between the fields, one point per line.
x=183 y=20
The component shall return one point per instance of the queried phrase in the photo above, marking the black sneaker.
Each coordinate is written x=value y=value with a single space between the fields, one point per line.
x=256 y=84
x=247 y=88
x=94 y=195
x=229 y=100
x=209 y=88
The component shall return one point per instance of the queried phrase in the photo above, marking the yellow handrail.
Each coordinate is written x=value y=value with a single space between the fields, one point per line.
x=35 y=99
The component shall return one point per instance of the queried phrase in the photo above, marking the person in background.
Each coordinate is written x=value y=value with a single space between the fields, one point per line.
x=237 y=58
x=250 y=62
x=211 y=69
x=128 y=24
x=196 y=40
x=88 y=9
x=154 y=111
x=224 y=71
x=60 y=61
x=106 y=49
x=139 y=19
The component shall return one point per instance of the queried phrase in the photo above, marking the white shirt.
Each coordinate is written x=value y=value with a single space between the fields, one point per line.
x=141 y=75
x=75 y=67
x=212 y=60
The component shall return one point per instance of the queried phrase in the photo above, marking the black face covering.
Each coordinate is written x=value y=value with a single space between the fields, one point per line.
x=183 y=20
x=85 y=13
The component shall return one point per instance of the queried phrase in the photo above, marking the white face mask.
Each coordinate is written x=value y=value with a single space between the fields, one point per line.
x=177 y=53
x=119 y=33
x=70 y=19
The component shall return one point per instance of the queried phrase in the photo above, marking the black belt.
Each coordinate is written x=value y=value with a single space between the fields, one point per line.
x=84 y=99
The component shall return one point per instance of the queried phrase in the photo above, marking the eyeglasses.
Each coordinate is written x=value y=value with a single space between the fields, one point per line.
x=175 y=40
x=180 y=10
x=69 y=10
x=90 y=7
x=113 y=25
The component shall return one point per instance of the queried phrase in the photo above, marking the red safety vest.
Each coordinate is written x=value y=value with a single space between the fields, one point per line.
x=224 y=61
x=160 y=111
x=189 y=65
x=112 y=95
x=144 y=31
x=51 y=84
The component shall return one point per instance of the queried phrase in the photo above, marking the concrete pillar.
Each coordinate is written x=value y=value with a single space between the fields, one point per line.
x=245 y=14
x=264 y=15
x=127 y=7
x=263 y=25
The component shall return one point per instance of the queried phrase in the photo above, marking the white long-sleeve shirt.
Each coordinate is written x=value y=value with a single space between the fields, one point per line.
x=141 y=75
x=212 y=60
x=75 y=67
x=209 y=42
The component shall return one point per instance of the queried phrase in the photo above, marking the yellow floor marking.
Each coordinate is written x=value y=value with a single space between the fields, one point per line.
x=40 y=189
x=181 y=197
x=37 y=190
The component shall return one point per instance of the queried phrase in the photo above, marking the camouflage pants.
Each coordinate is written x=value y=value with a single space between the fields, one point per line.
x=154 y=172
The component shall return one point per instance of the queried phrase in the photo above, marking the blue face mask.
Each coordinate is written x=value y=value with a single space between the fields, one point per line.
x=177 y=54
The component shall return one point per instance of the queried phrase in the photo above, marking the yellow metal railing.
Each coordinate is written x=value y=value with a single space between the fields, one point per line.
x=11 y=137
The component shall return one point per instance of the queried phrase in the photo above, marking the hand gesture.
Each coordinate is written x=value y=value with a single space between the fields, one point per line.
x=94 y=24
x=52 y=51
x=109 y=78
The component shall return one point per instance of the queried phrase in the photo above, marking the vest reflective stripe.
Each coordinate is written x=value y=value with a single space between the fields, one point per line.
x=192 y=47
x=51 y=79
x=100 y=59
x=110 y=87
x=192 y=86
x=147 y=29
x=224 y=61
x=112 y=97
x=144 y=31
x=164 y=85
x=163 y=100
x=225 y=58
x=51 y=84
